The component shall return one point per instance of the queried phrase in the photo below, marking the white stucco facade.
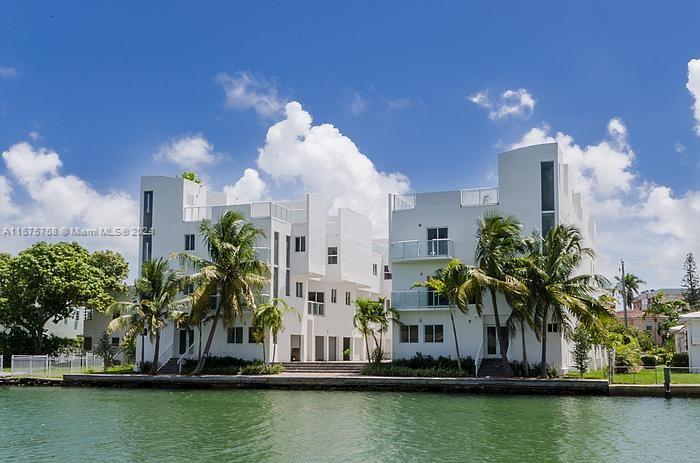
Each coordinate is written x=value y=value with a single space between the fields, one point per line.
x=300 y=238
x=427 y=230
x=692 y=334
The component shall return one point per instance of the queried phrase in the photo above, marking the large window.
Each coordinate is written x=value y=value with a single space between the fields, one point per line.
x=288 y=272
x=333 y=255
x=437 y=241
x=316 y=303
x=275 y=264
x=189 y=242
x=547 y=222
x=433 y=333
x=552 y=327
x=387 y=273
x=334 y=296
x=299 y=244
x=436 y=299
x=146 y=248
x=235 y=335
x=547 y=185
x=299 y=289
x=409 y=333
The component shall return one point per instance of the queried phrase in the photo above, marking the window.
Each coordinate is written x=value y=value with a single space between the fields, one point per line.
x=213 y=302
x=87 y=343
x=547 y=222
x=547 y=185
x=437 y=241
x=334 y=296
x=235 y=335
x=300 y=289
x=347 y=297
x=251 y=335
x=436 y=300
x=87 y=314
x=409 y=333
x=316 y=303
x=374 y=269
x=288 y=272
x=433 y=333
x=552 y=327
x=333 y=255
x=115 y=342
x=387 y=273
x=146 y=248
x=299 y=244
x=148 y=209
x=276 y=263
x=276 y=246
x=649 y=328
x=189 y=242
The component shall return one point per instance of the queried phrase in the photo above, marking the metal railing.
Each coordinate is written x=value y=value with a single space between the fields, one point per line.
x=479 y=197
x=196 y=213
x=403 y=202
x=417 y=299
x=441 y=248
x=479 y=356
x=316 y=308
x=181 y=360
x=654 y=375
x=46 y=366
x=165 y=354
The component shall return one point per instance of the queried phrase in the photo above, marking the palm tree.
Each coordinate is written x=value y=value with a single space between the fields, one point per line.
x=232 y=276
x=449 y=282
x=156 y=303
x=556 y=290
x=384 y=316
x=365 y=315
x=268 y=317
x=630 y=288
x=498 y=242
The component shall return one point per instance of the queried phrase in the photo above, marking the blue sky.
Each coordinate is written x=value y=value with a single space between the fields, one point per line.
x=107 y=88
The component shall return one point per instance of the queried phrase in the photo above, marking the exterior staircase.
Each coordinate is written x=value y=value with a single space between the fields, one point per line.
x=349 y=368
x=491 y=367
x=170 y=367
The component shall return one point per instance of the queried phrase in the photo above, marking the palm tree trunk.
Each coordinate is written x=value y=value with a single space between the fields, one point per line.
x=454 y=331
x=274 y=347
x=503 y=343
x=263 y=349
x=543 y=360
x=369 y=360
x=526 y=367
x=143 y=342
x=156 y=354
x=200 y=365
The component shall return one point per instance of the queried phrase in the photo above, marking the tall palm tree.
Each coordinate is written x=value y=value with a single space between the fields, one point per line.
x=156 y=303
x=498 y=242
x=231 y=277
x=629 y=288
x=384 y=316
x=557 y=290
x=365 y=315
x=449 y=282
x=268 y=317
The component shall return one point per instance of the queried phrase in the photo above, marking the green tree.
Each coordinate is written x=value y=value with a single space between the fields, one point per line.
x=105 y=350
x=269 y=318
x=49 y=281
x=156 y=303
x=691 y=282
x=582 y=348
x=372 y=317
x=629 y=288
x=233 y=276
x=192 y=176
x=668 y=308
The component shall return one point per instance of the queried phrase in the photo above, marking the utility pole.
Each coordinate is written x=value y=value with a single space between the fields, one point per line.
x=624 y=291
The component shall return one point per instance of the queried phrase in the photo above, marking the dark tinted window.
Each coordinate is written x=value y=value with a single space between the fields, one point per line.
x=547 y=185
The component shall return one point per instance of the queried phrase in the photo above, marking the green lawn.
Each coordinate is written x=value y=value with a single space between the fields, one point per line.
x=645 y=376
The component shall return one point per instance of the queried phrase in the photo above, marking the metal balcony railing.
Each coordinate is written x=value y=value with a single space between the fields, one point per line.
x=316 y=308
x=442 y=248
x=479 y=197
x=416 y=299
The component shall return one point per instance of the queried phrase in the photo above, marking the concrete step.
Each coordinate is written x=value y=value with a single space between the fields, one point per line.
x=491 y=367
x=323 y=367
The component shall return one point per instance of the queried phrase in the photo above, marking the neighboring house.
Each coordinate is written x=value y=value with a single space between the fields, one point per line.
x=642 y=321
x=319 y=264
x=427 y=230
x=680 y=338
x=692 y=324
x=641 y=302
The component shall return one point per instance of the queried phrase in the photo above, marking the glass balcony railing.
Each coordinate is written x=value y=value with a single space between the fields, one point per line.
x=263 y=254
x=480 y=197
x=430 y=249
x=316 y=308
x=417 y=299
x=196 y=213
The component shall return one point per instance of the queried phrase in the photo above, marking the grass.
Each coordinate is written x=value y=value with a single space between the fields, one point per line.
x=648 y=375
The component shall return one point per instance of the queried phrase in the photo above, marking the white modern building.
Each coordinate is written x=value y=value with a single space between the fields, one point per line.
x=427 y=230
x=319 y=264
x=692 y=339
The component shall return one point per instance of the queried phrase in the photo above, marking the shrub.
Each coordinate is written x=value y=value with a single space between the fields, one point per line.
x=422 y=366
x=218 y=365
x=680 y=359
x=259 y=368
x=650 y=360
x=627 y=357
x=519 y=369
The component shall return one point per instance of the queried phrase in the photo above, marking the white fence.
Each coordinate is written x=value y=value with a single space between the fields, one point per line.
x=45 y=366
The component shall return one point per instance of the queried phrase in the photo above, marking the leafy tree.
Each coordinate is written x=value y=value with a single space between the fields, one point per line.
x=668 y=308
x=49 y=281
x=268 y=317
x=156 y=303
x=192 y=176
x=628 y=288
x=691 y=282
x=231 y=278
x=105 y=350
x=372 y=317
x=582 y=348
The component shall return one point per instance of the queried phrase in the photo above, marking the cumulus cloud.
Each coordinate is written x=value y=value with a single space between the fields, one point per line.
x=519 y=103
x=57 y=200
x=246 y=90
x=8 y=71
x=319 y=158
x=189 y=152
x=249 y=188
x=693 y=87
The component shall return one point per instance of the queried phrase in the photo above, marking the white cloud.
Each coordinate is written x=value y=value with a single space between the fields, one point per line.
x=245 y=91
x=8 y=71
x=644 y=223
x=356 y=104
x=189 y=152
x=34 y=135
x=319 y=158
x=56 y=200
x=679 y=147
x=693 y=87
x=249 y=188
x=519 y=103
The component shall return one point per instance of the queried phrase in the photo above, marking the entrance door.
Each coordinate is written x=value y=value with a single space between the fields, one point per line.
x=332 y=353
x=346 y=349
x=295 y=342
x=186 y=340
x=319 y=349
x=493 y=348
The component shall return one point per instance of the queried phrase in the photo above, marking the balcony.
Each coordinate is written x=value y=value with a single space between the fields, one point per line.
x=196 y=213
x=270 y=209
x=417 y=300
x=419 y=250
x=316 y=308
x=479 y=197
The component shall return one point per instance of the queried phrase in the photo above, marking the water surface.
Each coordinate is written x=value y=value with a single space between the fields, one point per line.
x=76 y=424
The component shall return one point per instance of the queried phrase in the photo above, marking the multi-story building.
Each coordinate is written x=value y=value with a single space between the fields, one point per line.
x=319 y=264
x=641 y=301
x=427 y=230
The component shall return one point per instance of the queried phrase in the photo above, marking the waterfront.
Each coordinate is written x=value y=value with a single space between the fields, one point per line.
x=77 y=424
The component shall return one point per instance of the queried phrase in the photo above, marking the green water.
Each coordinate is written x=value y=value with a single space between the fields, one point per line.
x=73 y=424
